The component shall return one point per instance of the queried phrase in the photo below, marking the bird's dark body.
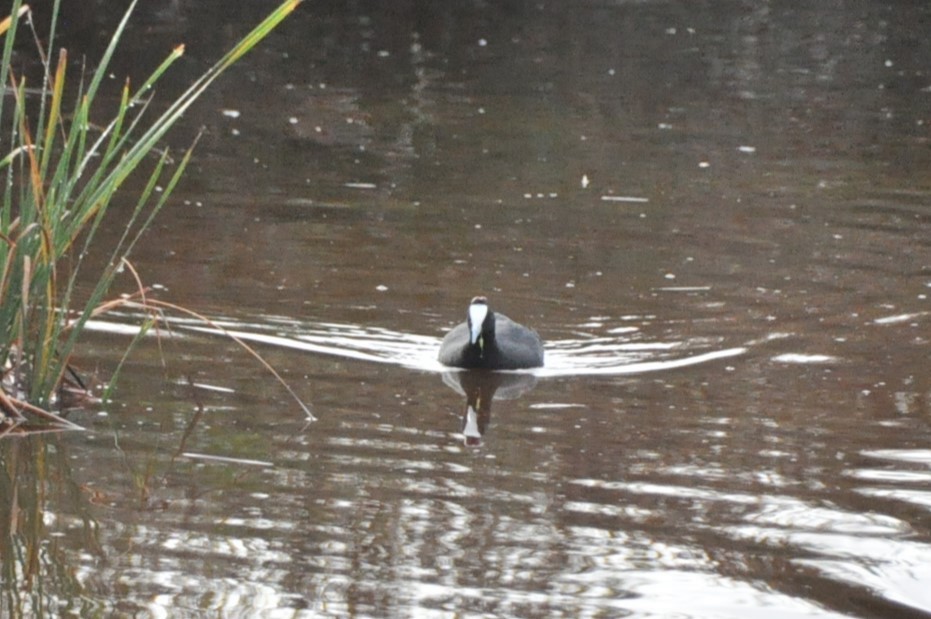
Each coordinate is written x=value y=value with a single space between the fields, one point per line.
x=504 y=345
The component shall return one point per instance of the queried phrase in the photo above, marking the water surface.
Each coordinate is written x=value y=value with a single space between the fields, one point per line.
x=716 y=216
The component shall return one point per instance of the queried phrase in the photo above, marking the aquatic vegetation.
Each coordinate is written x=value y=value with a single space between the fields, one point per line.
x=60 y=175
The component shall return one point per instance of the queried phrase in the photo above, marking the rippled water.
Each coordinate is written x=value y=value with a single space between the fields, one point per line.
x=718 y=220
x=620 y=350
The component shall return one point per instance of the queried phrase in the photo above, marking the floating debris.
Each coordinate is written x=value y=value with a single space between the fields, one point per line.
x=889 y=320
x=792 y=357
x=683 y=289
x=226 y=459
x=624 y=199
x=207 y=387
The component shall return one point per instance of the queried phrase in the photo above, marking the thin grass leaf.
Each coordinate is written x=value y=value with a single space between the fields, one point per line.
x=17 y=407
x=144 y=329
x=46 y=64
x=103 y=66
x=35 y=178
x=182 y=310
x=161 y=126
x=165 y=194
x=176 y=53
x=48 y=143
x=117 y=258
x=9 y=27
x=13 y=154
x=7 y=21
x=258 y=33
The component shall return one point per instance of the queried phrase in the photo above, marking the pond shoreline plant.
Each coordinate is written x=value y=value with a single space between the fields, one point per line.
x=60 y=175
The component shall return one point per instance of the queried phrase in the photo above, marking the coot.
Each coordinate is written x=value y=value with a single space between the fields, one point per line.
x=491 y=341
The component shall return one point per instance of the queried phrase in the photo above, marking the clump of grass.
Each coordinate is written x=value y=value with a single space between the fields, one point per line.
x=60 y=176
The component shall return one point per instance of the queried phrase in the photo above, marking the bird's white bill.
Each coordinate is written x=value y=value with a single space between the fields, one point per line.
x=477 y=313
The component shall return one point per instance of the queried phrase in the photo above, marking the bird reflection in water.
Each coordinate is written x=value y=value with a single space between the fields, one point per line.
x=480 y=387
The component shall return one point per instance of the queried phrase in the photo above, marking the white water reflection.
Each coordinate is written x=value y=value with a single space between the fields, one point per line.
x=608 y=507
x=861 y=548
x=619 y=351
x=904 y=475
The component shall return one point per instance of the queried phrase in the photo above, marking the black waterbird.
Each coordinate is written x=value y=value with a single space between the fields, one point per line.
x=491 y=341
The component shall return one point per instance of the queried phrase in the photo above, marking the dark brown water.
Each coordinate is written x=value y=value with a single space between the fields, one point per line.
x=717 y=215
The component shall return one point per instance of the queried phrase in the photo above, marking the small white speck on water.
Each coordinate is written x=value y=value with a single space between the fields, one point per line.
x=293 y=120
x=585 y=182
x=381 y=288
x=483 y=43
x=704 y=164
x=747 y=149
x=234 y=131
x=231 y=113
x=670 y=276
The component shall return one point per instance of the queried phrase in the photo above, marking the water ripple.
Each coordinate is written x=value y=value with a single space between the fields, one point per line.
x=896 y=482
x=618 y=352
